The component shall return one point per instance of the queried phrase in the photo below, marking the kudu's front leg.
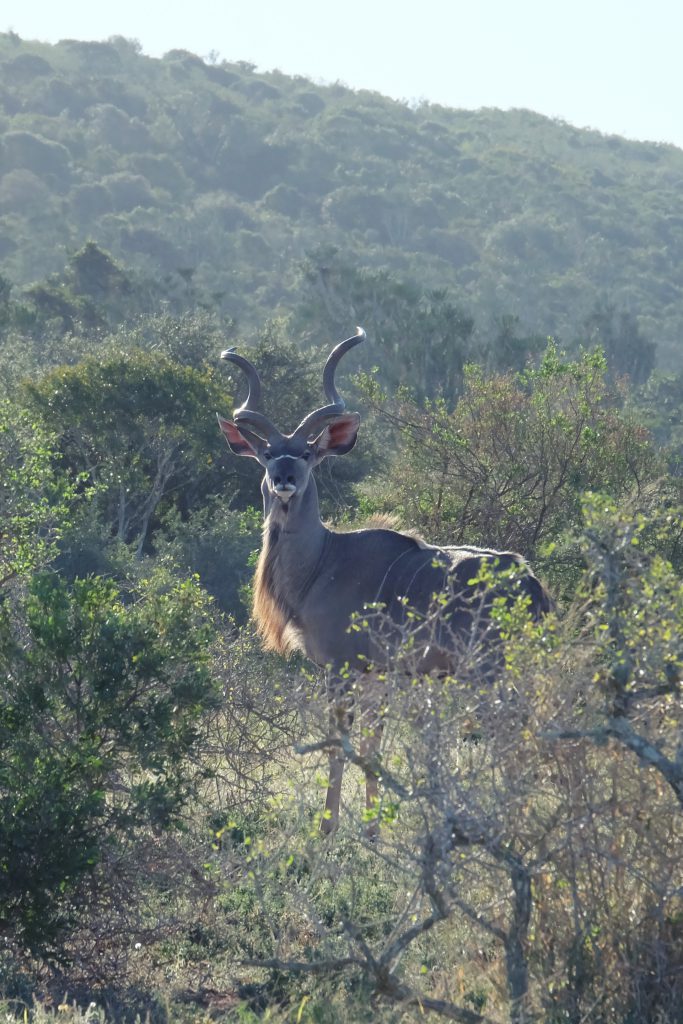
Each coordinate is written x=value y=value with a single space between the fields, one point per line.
x=371 y=726
x=341 y=700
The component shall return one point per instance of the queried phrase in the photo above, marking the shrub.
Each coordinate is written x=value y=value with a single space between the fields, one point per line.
x=508 y=466
x=100 y=706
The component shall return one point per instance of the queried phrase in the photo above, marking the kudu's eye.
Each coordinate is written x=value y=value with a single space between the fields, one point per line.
x=306 y=456
x=267 y=456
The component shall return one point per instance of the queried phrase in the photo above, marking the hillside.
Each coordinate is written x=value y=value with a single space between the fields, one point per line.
x=215 y=174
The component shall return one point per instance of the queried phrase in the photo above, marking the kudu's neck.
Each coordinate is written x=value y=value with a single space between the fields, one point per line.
x=295 y=535
x=294 y=542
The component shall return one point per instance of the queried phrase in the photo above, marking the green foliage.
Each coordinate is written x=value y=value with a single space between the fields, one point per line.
x=660 y=404
x=35 y=498
x=91 y=293
x=638 y=601
x=216 y=544
x=511 y=348
x=99 y=709
x=42 y=156
x=619 y=336
x=142 y=428
x=193 y=339
x=421 y=339
x=507 y=467
x=96 y=274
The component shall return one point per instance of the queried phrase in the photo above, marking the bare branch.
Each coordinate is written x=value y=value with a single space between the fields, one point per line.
x=622 y=730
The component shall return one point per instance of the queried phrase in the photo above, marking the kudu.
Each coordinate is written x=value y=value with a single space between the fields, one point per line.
x=311 y=581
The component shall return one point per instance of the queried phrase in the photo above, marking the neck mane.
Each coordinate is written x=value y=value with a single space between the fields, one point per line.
x=294 y=540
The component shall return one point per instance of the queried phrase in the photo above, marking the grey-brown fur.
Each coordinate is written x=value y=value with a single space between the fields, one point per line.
x=311 y=581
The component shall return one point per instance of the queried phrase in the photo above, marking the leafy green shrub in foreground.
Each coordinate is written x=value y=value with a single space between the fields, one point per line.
x=100 y=702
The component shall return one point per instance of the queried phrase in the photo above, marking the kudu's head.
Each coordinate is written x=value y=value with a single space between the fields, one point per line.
x=289 y=458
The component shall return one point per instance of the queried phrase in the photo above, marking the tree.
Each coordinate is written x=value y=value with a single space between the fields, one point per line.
x=635 y=609
x=420 y=338
x=511 y=348
x=97 y=275
x=45 y=158
x=142 y=428
x=35 y=498
x=627 y=350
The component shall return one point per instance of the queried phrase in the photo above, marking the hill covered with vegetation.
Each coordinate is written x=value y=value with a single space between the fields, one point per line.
x=237 y=184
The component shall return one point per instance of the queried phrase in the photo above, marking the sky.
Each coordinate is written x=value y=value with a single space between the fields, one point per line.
x=613 y=65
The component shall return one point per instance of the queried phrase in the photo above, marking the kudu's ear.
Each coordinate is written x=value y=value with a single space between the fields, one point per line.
x=338 y=437
x=240 y=440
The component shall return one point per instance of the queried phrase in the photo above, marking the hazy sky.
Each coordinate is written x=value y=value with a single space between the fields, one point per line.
x=615 y=65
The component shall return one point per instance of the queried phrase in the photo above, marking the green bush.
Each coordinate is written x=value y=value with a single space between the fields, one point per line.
x=100 y=706
x=507 y=467
x=34 y=497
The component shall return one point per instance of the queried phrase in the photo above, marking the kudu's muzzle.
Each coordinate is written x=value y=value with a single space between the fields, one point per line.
x=282 y=477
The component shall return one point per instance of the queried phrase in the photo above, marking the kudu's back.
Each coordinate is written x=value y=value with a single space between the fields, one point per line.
x=383 y=593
